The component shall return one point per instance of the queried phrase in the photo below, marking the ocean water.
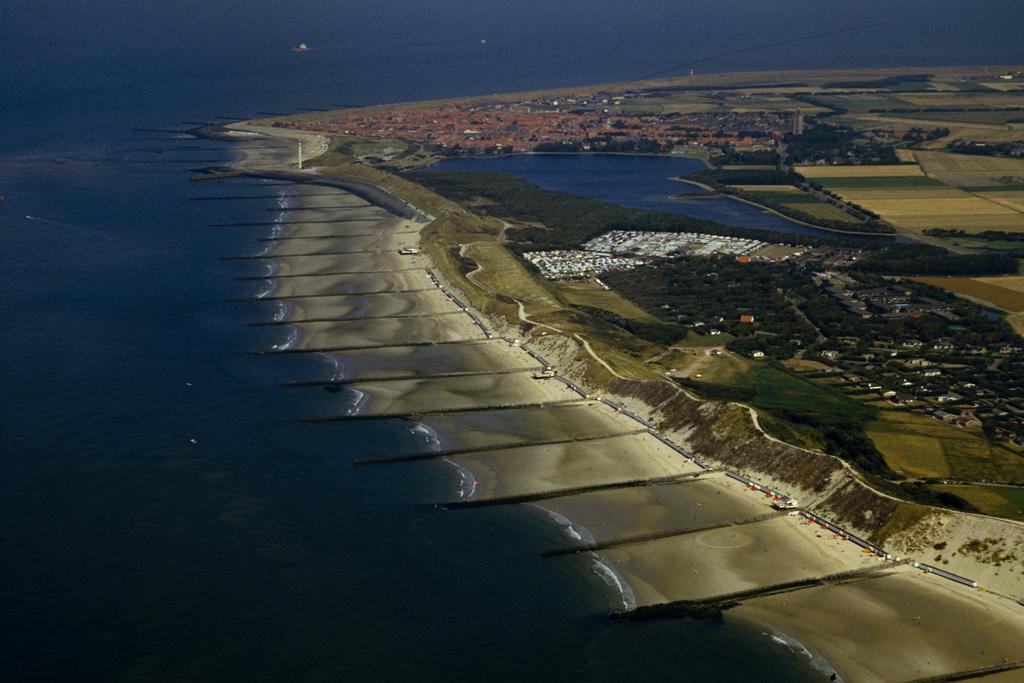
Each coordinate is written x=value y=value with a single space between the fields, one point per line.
x=258 y=552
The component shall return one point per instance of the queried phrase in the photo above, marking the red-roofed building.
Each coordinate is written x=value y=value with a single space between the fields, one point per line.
x=746 y=318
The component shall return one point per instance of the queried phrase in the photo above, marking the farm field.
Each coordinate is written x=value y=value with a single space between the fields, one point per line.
x=999 y=501
x=933 y=194
x=919 y=445
x=968 y=169
x=866 y=171
x=795 y=199
x=1006 y=293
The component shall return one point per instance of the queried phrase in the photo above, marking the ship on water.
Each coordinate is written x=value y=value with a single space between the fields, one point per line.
x=301 y=47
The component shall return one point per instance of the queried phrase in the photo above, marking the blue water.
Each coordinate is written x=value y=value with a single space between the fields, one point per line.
x=644 y=182
x=259 y=552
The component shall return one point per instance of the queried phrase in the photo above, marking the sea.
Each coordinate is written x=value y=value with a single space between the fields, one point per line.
x=163 y=514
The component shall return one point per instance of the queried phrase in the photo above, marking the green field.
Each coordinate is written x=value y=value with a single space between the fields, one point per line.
x=794 y=197
x=877 y=182
x=781 y=392
x=799 y=201
x=1009 y=187
x=921 y=446
x=823 y=211
x=595 y=296
x=1000 y=501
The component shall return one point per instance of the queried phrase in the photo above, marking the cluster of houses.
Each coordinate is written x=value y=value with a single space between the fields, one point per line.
x=587 y=122
x=891 y=301
x=923 y=378
x=666 y=244
x=572 y=264
x=626 y=249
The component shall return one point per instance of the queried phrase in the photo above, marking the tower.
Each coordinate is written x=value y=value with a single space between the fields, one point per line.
x=300 y=155
x=798 y=123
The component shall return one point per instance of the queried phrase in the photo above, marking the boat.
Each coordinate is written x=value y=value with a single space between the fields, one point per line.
x=301 y=47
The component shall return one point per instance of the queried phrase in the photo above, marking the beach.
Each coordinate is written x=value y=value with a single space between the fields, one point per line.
x=404 y=344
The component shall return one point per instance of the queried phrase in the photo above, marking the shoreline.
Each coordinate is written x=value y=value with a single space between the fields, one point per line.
x=623 y=579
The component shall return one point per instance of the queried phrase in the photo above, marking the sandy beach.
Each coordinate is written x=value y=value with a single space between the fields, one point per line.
x=899 y=627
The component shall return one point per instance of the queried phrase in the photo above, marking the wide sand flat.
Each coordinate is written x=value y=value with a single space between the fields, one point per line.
x=525 y=425
x=896 y=628
x=732 y=559
x=384 y=242
x=385 y=331
x=537 y=469
x=330 y=285
x=339 y=263
x=373 y=226
x=623 y=513
x=455 y=393
x=427 y=360
x=374 y=305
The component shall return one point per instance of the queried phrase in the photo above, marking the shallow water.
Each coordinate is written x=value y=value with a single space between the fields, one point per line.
x=644 y=182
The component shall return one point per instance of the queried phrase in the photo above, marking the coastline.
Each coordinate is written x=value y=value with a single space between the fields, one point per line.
x=649 y=569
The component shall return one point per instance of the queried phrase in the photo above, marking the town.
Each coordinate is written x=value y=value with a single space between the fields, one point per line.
x=582 y=123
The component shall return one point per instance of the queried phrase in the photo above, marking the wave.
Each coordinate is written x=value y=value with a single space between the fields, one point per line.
x=290 y=340
x=284 y=309
x=798 y=648
x=613 y=580
x=269 y=268
x=467 y=482
x=580 y=534
x=360 y=400
x=427 y=435
x=337 y=368
x=268 y=288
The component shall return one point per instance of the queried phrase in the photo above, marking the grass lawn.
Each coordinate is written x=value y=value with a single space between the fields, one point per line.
x=907 y=445
x=505 y=274
x=777 y=390
x=595 y=296
x=1000 y=501
x=921 y=446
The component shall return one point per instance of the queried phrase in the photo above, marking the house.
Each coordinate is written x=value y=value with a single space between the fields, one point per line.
x=943 y=416
x=746 y=318
x=757 y=354
x=743 y=258
x=947 y=398
x=830 y=354
x=931 y=372
x=967 y=421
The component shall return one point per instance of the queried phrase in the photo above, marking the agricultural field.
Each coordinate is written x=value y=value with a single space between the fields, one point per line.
x=999 y=501
x=968 y=170
x=885 y=171
x=794 y=199
x=919 y=445
x=1006 y=293
x=945 y=191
